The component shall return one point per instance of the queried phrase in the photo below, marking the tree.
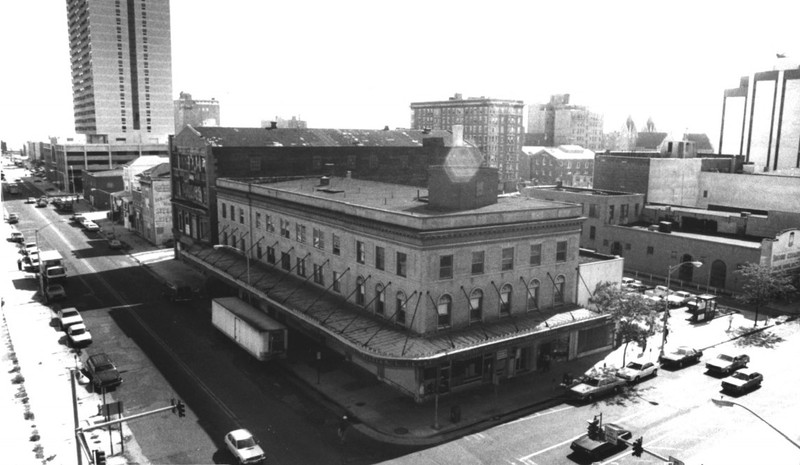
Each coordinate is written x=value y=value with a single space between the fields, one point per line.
x=635 y=317
x=763 y=286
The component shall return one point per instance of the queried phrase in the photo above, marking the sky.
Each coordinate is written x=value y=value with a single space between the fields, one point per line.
x=359 y=64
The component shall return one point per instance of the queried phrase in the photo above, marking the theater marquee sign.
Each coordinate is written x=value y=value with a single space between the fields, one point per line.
x=784 y=251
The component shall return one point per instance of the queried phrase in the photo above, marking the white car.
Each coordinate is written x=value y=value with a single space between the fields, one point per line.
x=685 y=296
x=243 y=446
x=78 y=335
x=91 y=225
x=68 y=317
x=635 y=371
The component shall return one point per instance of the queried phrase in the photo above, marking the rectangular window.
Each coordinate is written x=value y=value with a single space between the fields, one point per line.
x=623 y=211
x=592 y=211
x=594 y=338
x=536 y=255
x=224 y=210
x=301 y=266
x=650 y=250
x=592 y=231
x=379 y=258
x=337 y=286
x=269 y=224
x=401 y=264
x=705 y=194
x=258 y=220
x=636 y=210
x=610 y=213
x=318 y=277
x=300 y=232
x=508 y=259
x=259 y=252
x=233 y=213
x=561 y=251
x=361 y=254
x=446 y=267
x=319 y=238
x=477 y=262
x=335 y=244
x=285 y=229
x=270 y=255
x=286 y=261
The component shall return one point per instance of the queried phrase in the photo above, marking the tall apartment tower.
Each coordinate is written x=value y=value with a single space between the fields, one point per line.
x=121 y=70
x=493 y=125
x=560 y=123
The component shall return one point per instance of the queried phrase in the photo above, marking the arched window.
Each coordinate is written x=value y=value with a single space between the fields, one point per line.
x=444 y=309
x=380 y=299
x=533 y=295
x=476 y=306
x=718 y=272
x=360 y=291
x=558 y=297
x=400 y=310
x=505 y=299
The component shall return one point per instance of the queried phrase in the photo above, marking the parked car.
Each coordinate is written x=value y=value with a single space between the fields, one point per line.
x=597 y=449
x=78 y=335
x=27 y=247
x=16 y=236
x=114 y=244
x=244 y=447
x=662 y=291
x=684 y=296
x=596 y=385
x=68 y=316
x=726 y=364
x=102 y=372
x=55 y=292
x=742 y=381
x=41 y=203
x=91 y=225
x=30 y=200
x=13 y=218
x=77 y=218
x=681 y=356
x=635 y=371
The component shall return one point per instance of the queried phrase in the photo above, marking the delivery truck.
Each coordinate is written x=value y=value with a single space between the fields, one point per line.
x=252 y=329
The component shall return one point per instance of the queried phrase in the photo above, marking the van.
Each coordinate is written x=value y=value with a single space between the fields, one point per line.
x=55 y=273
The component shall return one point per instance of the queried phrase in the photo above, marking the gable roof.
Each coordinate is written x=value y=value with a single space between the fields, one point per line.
x=701 y=141
x=649 y=140
x=296 y=137
x=159 y=171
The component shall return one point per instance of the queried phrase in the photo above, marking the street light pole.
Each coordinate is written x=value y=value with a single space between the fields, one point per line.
x=730 y=403
x=670 y=270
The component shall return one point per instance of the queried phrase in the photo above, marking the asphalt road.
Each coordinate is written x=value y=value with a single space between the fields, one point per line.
x=167 y=351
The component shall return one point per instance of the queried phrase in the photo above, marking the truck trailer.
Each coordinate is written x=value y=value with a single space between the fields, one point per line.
x=252 y=329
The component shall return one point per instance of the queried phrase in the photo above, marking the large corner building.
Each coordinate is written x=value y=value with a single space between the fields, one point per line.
x=121 y=64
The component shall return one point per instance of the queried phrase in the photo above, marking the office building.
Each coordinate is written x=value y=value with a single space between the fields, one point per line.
x=121 y=70
x=493 y=125
x=560 y=123
x=195 y=112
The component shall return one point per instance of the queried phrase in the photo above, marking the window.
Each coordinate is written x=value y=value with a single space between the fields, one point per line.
x=380 y=299
x=446 y=267
x=476 y=306
x=536 y=255
x=636 y=210
x=610 y=213
x=224 y=238
x=705 y=194
x=533 y=295
x=224 y=210
x=318 y=277
x=258 y=219
x=286 y=261
x=623 y=210
x=337 y=286
x=592 y=231
x=380 y=261
x=360 y=291
x=301 y=266
x=233 y=213
x=361 y=255
x=335 y=244
x=270 y=255
x=319 y=238
x=558 y=296
x=505 y=299
x=561 y=251
x=650 y=250
x=592 y=211
x=443 y=310
x=269 y=224
x=508 y=259
x=477 y=262
x=300 y=232
x=241 y=215
x=401 y=264
x=285 y=229
x=400 y=303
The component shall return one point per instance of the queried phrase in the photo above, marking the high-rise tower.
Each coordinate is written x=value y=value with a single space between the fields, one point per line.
x=121 y=69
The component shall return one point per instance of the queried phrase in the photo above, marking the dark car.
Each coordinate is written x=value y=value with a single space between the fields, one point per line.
x=178 y=292
x=681 y=356
x=597 y=449
x=102 y=372
x=726 y=364
x=741 y=381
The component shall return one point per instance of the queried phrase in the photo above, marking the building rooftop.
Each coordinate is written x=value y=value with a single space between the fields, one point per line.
x=297 y=137
x=562 y=152
x=579 y=190
x=159 y=171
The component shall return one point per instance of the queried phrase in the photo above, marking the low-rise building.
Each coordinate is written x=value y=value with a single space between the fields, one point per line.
x=569 y=165
x=99 y=185
x=151 y=205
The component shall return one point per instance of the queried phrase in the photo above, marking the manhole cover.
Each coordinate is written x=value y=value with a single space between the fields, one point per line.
x=360 y=404
x=400 y=430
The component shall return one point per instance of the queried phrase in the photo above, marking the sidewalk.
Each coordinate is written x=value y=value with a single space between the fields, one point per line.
x=378 y=411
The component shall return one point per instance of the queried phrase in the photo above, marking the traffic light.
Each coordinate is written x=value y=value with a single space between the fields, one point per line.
x=181 y=409
x=99 y=457
x=595 y=428
x=638 y=448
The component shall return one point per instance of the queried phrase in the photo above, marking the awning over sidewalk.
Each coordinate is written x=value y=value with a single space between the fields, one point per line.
x=376 y=338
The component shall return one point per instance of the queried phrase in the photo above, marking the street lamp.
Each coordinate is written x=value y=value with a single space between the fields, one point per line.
x=670 y=270
x=730 y=403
